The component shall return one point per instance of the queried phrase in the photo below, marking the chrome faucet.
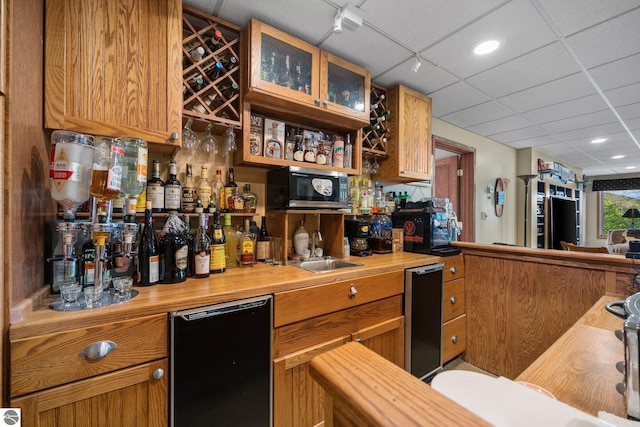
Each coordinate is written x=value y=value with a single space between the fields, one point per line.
x=316 y=238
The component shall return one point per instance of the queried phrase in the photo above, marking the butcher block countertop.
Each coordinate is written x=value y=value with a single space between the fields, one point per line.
x=579 y=368
x=237 y=283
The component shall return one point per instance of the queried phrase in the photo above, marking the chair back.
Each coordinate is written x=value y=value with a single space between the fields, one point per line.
x=591 y=249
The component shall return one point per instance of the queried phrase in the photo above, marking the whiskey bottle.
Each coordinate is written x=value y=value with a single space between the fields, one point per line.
x=172 y=189
x=155 y=188
x=218 y=191
x=229 y=188
x=250 y=199
x=203 y=189
x=188 y=200
x=247 y=246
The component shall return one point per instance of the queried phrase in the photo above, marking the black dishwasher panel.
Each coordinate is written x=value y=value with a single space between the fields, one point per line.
x=423 y=320
x=221 y=365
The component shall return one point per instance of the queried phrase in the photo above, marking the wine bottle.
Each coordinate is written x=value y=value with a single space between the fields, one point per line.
x=203 y=189
x=217 y=262
x=148 y=253
x=229 y=188
x=263 y=243
x=231 y=242
x=202 y=248
x=155 y=188
x=188 y=200
x=172 y=189
x=174 y=251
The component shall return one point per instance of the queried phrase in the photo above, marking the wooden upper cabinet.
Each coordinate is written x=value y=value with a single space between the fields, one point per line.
x=114 y=68
x=291 y=76
x=410 y=150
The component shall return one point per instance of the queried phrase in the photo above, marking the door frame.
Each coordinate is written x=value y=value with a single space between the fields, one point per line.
x=466 y=184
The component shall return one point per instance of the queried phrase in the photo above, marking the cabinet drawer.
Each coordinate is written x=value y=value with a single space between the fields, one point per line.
x=454 y=338
x=453 y=268
x=45 y=361
x=293 y=306
x=453 y=299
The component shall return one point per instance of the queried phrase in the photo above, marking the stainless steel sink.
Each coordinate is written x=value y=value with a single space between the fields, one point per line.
x=324 y=265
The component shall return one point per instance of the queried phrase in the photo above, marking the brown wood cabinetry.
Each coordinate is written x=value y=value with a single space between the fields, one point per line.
x=314 y=320
x=454 y=327
x=114 y=70
x=410 y=150
x=299 y=78
x=69 y=382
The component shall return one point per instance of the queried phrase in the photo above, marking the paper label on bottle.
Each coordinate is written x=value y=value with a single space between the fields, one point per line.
x=182 y=257
x=154 y=268
x=218 y=261
x=156 y=194
x=202 y=262
x=114 y=178
x=172 y=197
x=141 y=168
x=62 y=169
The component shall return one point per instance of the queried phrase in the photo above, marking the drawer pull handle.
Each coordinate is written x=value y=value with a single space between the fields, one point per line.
x=453 y=300
x=454 y=339
x=453 y=270
x=352 y=292
x=621 y=366
x=158 y=373
x=98 y=349
x=359 y=340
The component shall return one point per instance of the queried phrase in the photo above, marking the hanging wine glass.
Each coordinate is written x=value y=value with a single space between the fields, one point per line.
x=209 y=142
x=189 y=138
x=375 y=166
x=229 y=141
x=366 y=165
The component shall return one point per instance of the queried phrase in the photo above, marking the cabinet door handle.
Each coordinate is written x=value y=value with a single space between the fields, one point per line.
x=325 y=103
x=98 y=349
x=453 y=300
x=317 y=101
x=158 y=373
x=454 y=339
x=453 y=270
x=352 y=291
x=174 y=136
x=359 y=340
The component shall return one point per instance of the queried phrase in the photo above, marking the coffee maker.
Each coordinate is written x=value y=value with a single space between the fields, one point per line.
x=357 y=231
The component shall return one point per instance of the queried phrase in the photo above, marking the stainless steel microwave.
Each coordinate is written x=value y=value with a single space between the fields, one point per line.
x=298 y=187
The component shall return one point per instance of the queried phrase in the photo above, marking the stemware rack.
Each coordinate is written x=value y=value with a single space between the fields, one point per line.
x=211 y=80
x=374 y=141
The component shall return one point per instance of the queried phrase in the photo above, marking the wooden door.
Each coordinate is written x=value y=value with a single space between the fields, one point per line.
x=125 y=398
x=114 y=68
x=446 y=180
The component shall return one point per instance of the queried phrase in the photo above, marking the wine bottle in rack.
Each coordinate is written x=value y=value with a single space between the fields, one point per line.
x=229 y=62
x=197 y=54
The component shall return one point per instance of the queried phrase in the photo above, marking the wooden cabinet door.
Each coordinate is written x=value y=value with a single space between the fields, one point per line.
x=344 y=87
x=114 y=68
x=129 y=397
x=386 y=339
x=410 y=153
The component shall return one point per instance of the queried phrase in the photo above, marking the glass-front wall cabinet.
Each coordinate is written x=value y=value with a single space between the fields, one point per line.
x=347 y=88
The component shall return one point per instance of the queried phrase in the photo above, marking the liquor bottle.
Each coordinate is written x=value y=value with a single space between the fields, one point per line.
x=262 y=245
x=247 y=246
x=229 y=188
x=202 y=248
x=286 y=79
x=172 y=189
x=290 y=144
x=231 y=242
x=273 y=146
x=148 y=252
x=235 y=202
x=134 y=176
x=203 y=189
x=250 y=199
x=174 y=251
x=298 y=149
x=188 y=200
x=348 y=153
x=155 y=188
x=217 y=262
x=218 y=191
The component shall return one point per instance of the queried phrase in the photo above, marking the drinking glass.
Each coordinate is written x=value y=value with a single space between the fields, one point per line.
x=229 y=141
x=122 y=287
x=69 y=292
x=189 y=138
x=276 y=251
x=366 y=165
x=209 y=142
x=92 y=296
x=375 y=166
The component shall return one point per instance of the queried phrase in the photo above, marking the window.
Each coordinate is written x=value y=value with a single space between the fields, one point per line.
x=613 y=204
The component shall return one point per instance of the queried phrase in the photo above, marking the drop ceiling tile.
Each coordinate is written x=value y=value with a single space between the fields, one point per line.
x=580 y=122
x=624 y=95
x=458 y=96
x=514 y=23
x=549 y=93
x=609 y=41
x=618 y=73
x=575 y=107
x=591 y=132
x=628 y=112
x=501 y=125
x=520 y=135
x=571 y=16
x=478 y=114
x=429 y=78
x=421 y=23
x=540 y=66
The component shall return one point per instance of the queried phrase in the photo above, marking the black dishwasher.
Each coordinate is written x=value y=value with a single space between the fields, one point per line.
x=221 y=364
x=423 y=320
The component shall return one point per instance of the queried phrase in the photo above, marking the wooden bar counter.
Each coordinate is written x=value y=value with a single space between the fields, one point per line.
x=579 y=368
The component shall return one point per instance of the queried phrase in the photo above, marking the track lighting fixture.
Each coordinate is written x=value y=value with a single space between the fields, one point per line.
x=337 y=21
x=417 y=64
x=349 y=17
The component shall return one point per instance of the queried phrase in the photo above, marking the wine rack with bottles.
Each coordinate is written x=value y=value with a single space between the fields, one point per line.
x=211 y=69
x=376 y=135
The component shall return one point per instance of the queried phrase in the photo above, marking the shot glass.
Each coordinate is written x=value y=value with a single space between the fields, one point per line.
x=70 y=292
x=92 y=296
x=122 y=287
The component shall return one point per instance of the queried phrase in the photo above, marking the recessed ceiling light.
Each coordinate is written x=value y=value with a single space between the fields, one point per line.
x=486 y=47
x=630 y=167
x=619 y=156
x=598 y=140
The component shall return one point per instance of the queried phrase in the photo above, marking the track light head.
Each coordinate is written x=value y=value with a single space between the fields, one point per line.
x=337 y=22
x=417 y=64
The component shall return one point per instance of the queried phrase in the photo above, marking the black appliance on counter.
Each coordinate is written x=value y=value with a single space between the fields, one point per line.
x=425 y=228
x=295 y=187
x=221 y=364
x=357 y=230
